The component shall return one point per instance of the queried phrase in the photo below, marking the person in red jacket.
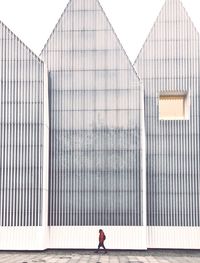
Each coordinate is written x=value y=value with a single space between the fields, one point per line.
x=102 y=238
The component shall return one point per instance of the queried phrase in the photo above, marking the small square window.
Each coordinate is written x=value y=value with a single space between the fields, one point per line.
x=173 y=107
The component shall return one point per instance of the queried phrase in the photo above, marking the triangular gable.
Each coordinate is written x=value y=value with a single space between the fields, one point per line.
x=172 y=40
x=84 y=27
x=12 y=41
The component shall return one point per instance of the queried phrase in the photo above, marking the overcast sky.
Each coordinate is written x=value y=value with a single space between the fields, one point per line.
x=33 y=20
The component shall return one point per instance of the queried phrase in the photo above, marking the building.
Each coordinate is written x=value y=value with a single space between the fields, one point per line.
x=96 y=133
x=23 y=145
x=89 y=142
x=168 y=66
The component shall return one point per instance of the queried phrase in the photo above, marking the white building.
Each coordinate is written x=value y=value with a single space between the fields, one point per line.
x=120 y=158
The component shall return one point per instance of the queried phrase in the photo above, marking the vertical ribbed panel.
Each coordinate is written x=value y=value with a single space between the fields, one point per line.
x=95 y=133
x=21 y=132
x=169 y=62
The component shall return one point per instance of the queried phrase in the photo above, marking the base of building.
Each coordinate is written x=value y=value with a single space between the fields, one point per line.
x=23 y=238
x=83 y=237
x=117 y=237
x=173 y=237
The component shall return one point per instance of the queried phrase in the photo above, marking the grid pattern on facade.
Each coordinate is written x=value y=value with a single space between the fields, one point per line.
x=169 y=62
x=95 y=133
x=21 y=133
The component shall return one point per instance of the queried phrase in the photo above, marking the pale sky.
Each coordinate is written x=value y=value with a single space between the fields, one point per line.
x=33 y=20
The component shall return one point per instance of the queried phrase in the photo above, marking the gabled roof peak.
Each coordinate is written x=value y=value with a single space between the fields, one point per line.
x=84 y=5
x=79 y=30
x=172 y=29
x=173 y=10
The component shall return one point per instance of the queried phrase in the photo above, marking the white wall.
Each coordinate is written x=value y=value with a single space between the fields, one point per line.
x=86 y=237
x=173 y=237
x=22 y=238
x=133 y=238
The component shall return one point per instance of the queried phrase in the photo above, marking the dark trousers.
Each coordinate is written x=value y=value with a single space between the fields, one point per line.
x=101 y=244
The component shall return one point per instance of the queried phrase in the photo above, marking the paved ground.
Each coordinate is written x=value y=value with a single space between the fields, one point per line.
x=62 y=256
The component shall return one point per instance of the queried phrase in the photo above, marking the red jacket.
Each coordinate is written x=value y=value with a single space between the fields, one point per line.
x=101 y=237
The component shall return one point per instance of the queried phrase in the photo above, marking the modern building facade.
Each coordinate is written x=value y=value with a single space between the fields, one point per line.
x=89 y=142
x=96 y=131
x=169 y=68
x=23 y=144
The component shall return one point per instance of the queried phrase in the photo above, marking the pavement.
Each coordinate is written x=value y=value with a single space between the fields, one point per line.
x=83 y=256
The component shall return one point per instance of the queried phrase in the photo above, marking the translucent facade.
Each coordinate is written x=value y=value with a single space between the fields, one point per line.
x=123 y=152
x=169 y=64
x=21 y=132
x=96 y=136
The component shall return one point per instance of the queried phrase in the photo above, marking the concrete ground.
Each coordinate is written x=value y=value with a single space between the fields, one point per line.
x=63 y=256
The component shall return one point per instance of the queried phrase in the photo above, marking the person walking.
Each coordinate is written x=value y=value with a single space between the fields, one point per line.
x=102 y=238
